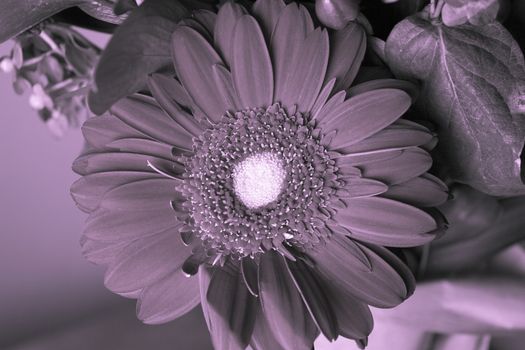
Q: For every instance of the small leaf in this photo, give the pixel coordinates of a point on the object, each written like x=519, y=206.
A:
x=140, y=46
x=19, y=15
x=473, y=89
x=477, y=12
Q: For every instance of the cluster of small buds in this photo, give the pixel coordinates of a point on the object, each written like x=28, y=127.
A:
x=55, y=64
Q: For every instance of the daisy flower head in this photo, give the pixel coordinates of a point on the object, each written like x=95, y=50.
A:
x=259, y=184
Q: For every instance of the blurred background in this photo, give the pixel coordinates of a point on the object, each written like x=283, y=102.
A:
x=50, y=297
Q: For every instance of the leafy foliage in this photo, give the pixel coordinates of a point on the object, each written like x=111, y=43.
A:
x=473, y=89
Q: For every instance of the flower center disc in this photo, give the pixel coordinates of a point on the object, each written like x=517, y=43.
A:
x=258, y=179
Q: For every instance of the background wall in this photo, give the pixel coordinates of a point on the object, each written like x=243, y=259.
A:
x=46, y=287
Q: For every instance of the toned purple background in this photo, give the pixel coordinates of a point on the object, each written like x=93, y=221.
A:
x=50, y=297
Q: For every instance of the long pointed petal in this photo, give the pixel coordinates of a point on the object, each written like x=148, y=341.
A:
x=379, y=285
x=251, y=68
x=267, y=13
x=194, y=58
x=168, y=299
x=347, y=50
x=386, y=222
x=285, y=312
x=146, y=261
x=231, y=310
x=225, y=23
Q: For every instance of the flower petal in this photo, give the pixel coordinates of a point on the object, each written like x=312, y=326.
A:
x=267, y=13
x=111, y=225
x=146, y=195
x=423, y=191
x=291, y=29
x=101, y=253
x=223, y=79
x=88, y=190
x=146, y=261
x=304, y=84
x=354, y=318
x=386, y=222
x=411, y=163
x=394, y=136
x=347, y=50
x=227, y=18
x=142, y=146
x=285, y=312
x=114, y=161
x=375, y=84
x=231, y=310
x=263, y=337
x=101, y=130
x=168, y=299
x=314, y=298
x=162, y=88
x=377, y=284
x=194, y=58
x=363, y=115
x=356, y=187
x=251, y=67
x=145, y=116
x=322, y=98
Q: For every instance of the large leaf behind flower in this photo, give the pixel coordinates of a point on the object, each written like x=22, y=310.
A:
x=140, y=46
x=19, y=15
x=474, y=90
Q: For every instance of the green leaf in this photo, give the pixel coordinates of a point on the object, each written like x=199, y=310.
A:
x=19, y=15
x=140, y=46
x=473, y=89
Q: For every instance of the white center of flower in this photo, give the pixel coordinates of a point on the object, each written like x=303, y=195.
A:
x=258, y=179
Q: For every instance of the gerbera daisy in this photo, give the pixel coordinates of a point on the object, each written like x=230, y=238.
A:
x=256, y=184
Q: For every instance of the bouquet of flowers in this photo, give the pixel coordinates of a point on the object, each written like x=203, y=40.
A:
x=299, y=169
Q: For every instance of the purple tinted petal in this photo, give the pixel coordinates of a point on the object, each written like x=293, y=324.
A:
x=101, y=130
x=251, y=67
x=361, y=187
x=144, y=115
x=347, y=50
x=110, y=225
x=88, y=190
x=263, y=337
x=146, y=195
x=327, y=109
x=249, y=275
x=285, y=312
x=380, y=285
x=354, y=318
x=362, y=158
x=395, y=136
x=290, y=30
x=386, y=222
x=309, y=70
x=168, y=299
x=207, y=19
x=227, y=18
x=162, y=88
x=194, y=58
x=146, y=261
x=314, y=298
x=104, y=162
x=423, y=191
x=267, y=13
x=231, y=310
x=322, y=98
x=411, y=163
x=223, y=79
x=364, y=115
x=142, y=146
x=375, y=84
x=101, y=253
